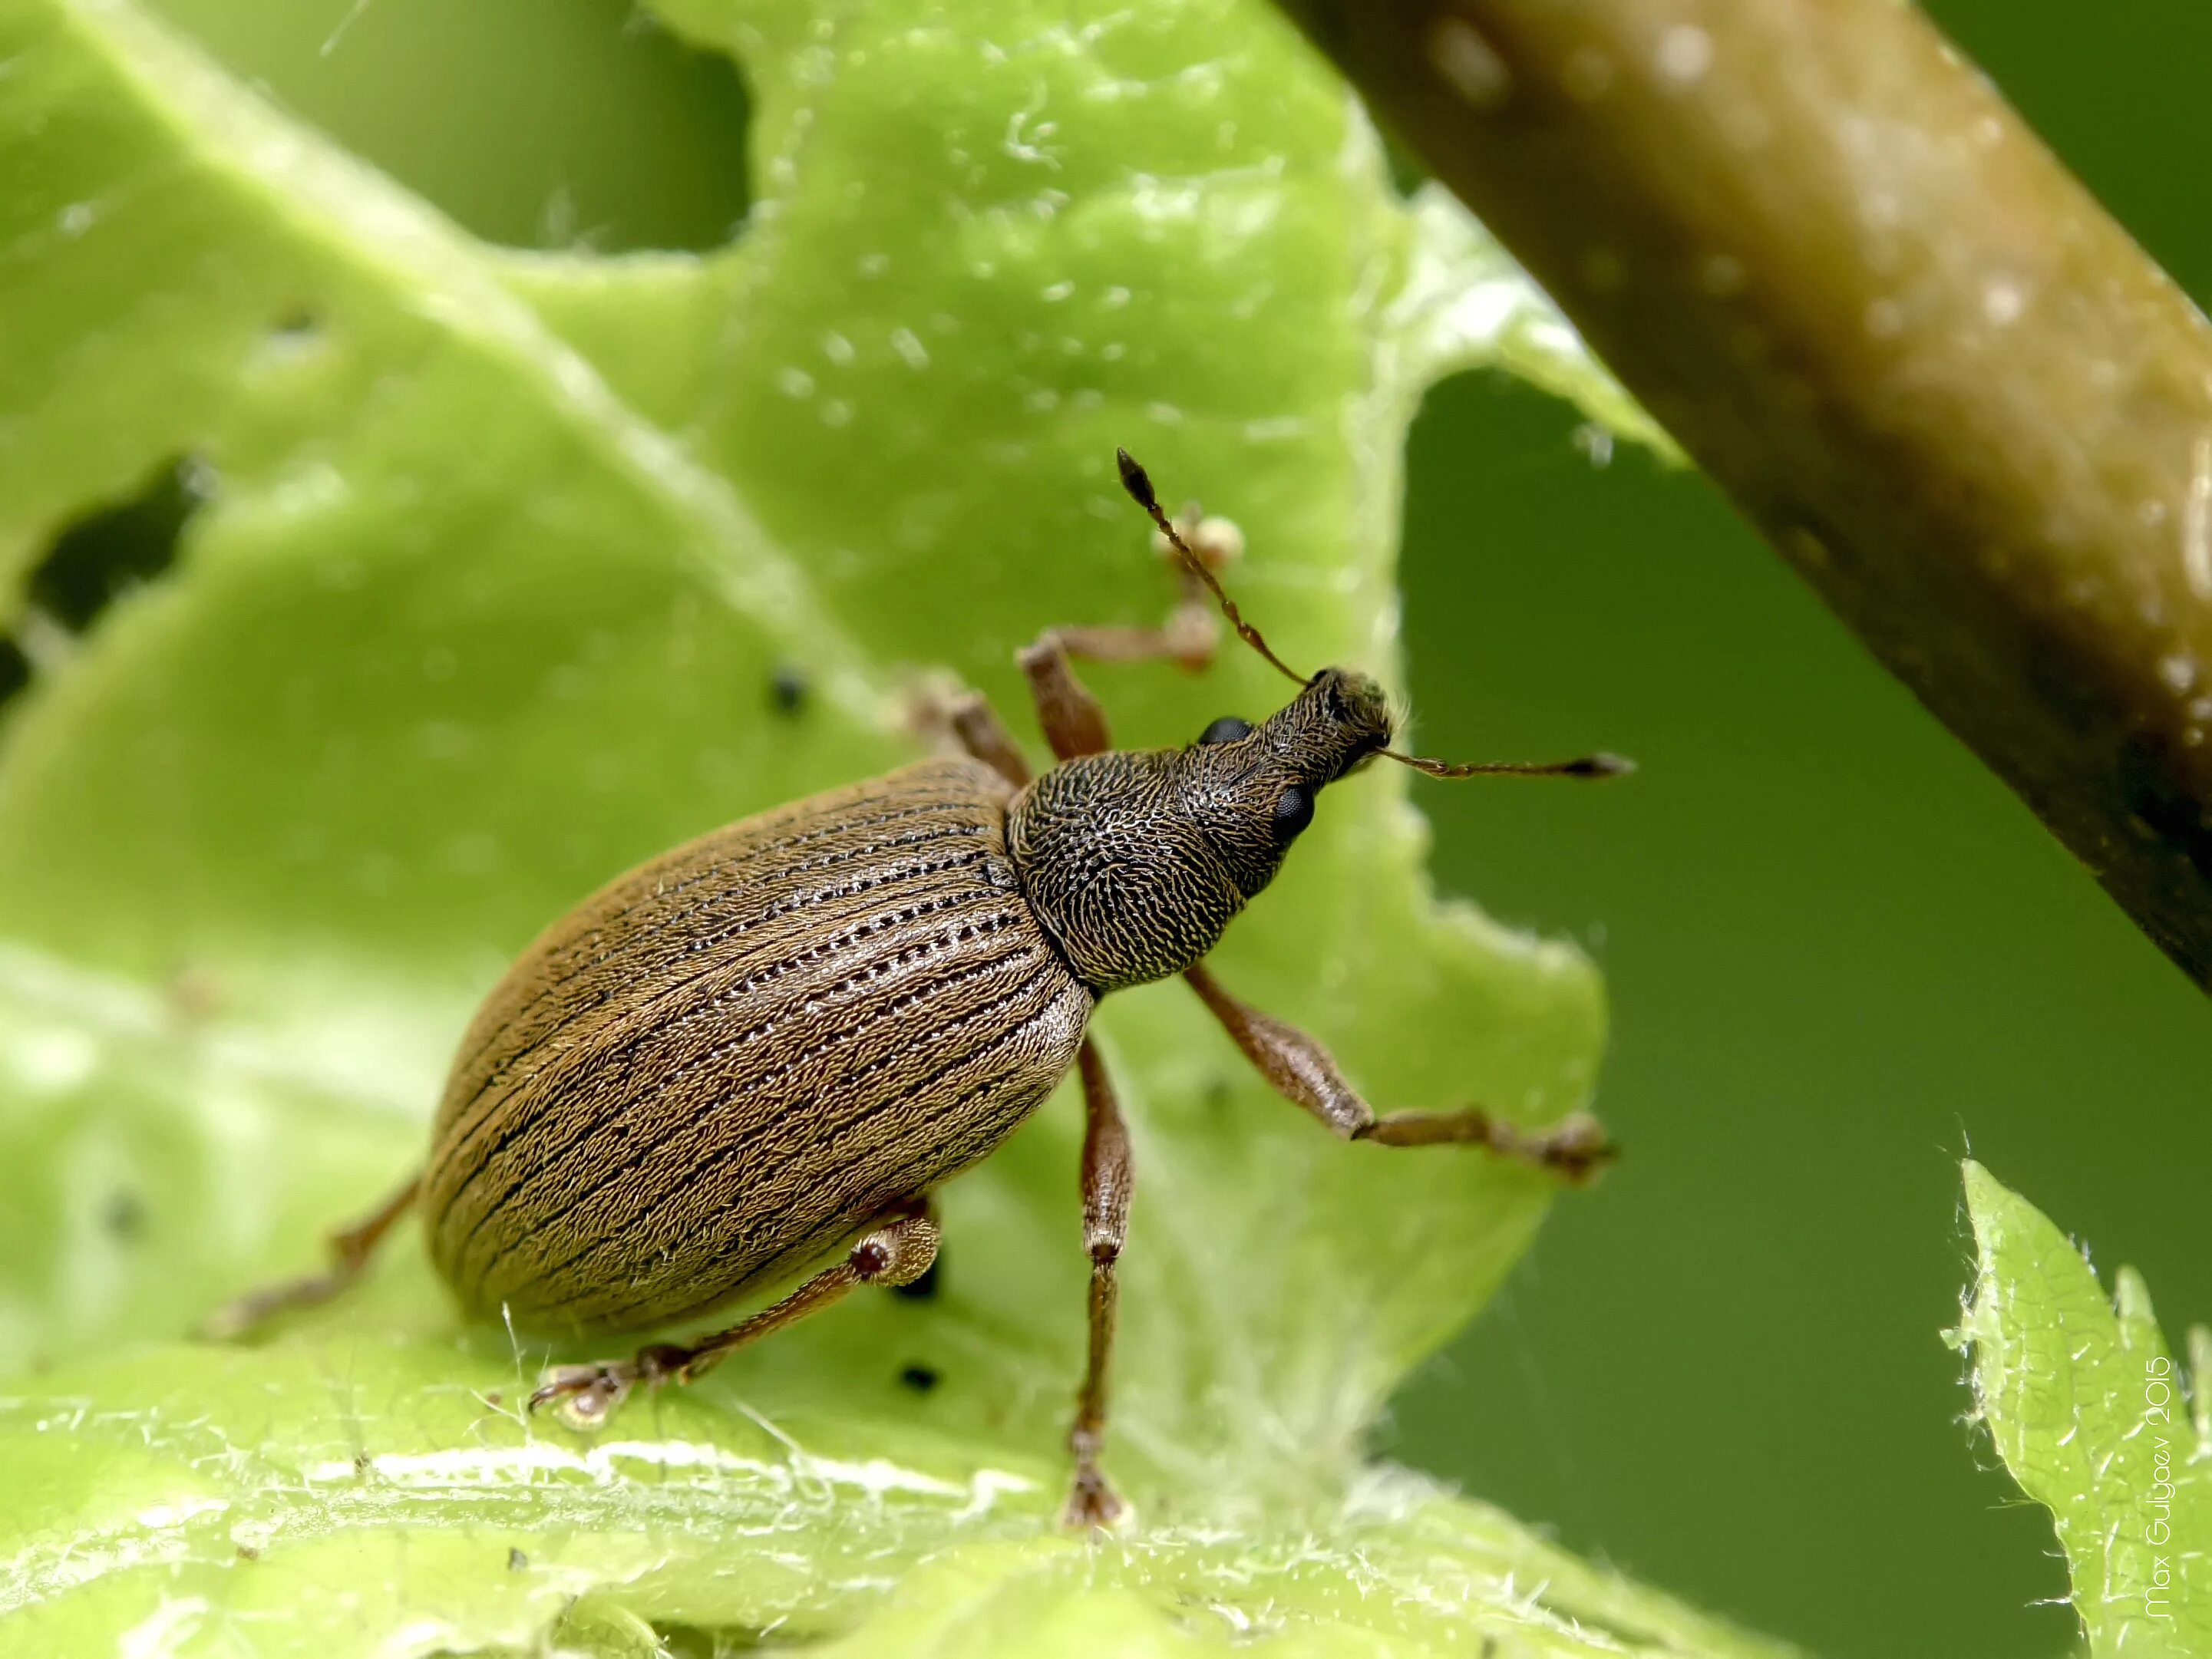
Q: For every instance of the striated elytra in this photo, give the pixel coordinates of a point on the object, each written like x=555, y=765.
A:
x=766, y=1048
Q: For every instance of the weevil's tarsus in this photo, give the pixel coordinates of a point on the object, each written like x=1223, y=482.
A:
x=1301, y=1070
x=1108, y=1182
x=351, y=1249
x=895, y=1252
x=1138, y=483
x=1582, y=766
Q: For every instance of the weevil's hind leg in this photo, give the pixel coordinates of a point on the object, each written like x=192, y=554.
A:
x=1107, y=1182
x=1072, y=720
x=350, y=1249
x=1301, y=1070
x=896, y=1251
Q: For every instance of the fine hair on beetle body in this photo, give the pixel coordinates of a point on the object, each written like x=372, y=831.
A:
x=755, y=1059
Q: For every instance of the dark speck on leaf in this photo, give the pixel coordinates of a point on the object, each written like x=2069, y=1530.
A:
x=362, y=1462
x=921, y=1378
x=517, y=1561
x=247, y=1552
x=786, y=691
x=125, y=1214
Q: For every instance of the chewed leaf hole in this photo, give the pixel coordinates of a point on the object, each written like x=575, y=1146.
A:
x=104, y=555
x=297, y=328
x=586, y=126
x=95, y=561
x=694, y=1642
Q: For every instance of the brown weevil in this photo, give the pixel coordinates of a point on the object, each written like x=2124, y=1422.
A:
x=773, y=1043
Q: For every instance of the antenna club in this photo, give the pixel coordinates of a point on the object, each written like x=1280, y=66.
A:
x=1137, y=482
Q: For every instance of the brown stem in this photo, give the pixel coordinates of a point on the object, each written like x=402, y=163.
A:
x=1926, y=364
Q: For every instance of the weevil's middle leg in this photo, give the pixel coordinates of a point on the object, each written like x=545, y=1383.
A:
x=1301, y=1070
x=1072, y=720
x=350, y=1249
x=895, y=1252
x=1109, y=1181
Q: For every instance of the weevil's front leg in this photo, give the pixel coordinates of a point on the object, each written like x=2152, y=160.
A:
x=1301, y=1070
x=976, y=724
x=350, y=1249
x=1072, y=720
x=1107, y=1182
x=896, y=1251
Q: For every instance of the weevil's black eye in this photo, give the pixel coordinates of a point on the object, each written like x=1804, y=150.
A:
x=1293, y=812
x=1227, y=729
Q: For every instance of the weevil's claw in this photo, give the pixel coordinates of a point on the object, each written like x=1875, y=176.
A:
x=584, y=1396
x=1575, y=1150
x=1092, y=1503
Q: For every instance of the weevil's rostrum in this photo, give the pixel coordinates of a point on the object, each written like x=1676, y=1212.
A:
x=727, y=1062
x=779, y=1040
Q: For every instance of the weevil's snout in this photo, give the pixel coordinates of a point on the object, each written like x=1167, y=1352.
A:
x=1340, y=721
x=1348, y=722
x=1251, y=789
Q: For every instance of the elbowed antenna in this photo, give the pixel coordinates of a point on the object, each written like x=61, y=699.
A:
x=1138, y=483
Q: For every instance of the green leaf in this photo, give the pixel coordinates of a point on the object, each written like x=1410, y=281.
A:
x=494, y=561
x=384, y=1496
x=2093, y=1416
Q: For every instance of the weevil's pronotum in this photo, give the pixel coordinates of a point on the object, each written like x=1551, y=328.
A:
x=776, y=1042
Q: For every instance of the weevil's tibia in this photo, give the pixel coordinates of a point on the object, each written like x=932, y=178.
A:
x=977, y=727
x=350, y=1249
x=1301, y=1070
x=895, y=1252
x=1109, y=1182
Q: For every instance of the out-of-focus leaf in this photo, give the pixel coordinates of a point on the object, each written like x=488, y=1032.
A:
x=381, y=1495
x=2093, y=1416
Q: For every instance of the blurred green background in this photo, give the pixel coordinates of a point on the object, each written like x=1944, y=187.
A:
x=1840, y=954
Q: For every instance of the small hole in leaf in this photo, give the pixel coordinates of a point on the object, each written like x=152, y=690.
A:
x=104, y=555
x=125, y=1214
x=296, y=329
x=725, y=1642
x=14, y=668
x=585, y=125
x=786, y=691
x=1409, y=172
x=925, y=1288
